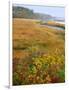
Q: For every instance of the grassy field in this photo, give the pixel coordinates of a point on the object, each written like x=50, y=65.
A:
x=38, y=53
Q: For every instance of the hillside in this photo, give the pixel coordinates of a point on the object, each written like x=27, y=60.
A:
x=21, y=12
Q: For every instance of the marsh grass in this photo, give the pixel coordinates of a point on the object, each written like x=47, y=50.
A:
x=38, y=53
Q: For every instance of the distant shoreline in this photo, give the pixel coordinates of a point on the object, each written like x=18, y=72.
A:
x=60, y=22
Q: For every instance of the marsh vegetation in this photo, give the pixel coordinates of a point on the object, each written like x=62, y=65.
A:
x=38, y=53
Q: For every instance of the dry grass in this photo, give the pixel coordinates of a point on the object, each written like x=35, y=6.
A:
x=37, y=50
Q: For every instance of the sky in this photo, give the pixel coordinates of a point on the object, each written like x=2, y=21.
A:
x=51, y=10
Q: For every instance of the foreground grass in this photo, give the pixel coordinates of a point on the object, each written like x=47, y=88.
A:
x=38, y=53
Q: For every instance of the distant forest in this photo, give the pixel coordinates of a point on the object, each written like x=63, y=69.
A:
x=22, y=12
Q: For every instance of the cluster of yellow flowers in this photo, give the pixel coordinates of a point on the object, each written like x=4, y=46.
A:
x=48, y=68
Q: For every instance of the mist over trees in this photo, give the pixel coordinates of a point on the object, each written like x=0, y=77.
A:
x=21, y=12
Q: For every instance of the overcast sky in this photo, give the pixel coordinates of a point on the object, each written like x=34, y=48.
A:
x=54, y=11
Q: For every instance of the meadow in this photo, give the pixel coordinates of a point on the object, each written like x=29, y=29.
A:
x=38, y=53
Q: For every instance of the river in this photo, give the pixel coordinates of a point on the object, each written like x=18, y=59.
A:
x=54, y=27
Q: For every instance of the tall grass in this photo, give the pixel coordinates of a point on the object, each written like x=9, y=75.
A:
x=38, y=53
